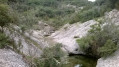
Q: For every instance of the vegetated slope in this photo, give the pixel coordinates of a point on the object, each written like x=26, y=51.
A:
x=29, y=43
x=111, y=61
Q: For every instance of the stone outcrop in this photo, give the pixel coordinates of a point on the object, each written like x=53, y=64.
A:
x=68, y=34
x=30, y=42
x=9, y=58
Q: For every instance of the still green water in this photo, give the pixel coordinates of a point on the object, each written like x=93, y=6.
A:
x=81, y=61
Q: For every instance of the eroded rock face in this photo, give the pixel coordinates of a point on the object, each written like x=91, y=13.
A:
x=30, y=42
x=9, y=58
x=69, y=33
x=23, y=43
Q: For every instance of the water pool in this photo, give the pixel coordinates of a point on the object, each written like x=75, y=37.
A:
x=81, y=61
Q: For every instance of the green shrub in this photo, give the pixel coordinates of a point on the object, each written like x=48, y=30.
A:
x=26, y=21
x=52, y=13
x=108, y=48
x=52, y=57
x=5, y=18
x=84, y=43
x=4, y=41
x=108, y=3
x=45, y=12
x=20, y=7
x=86, y=15
x=45, y=3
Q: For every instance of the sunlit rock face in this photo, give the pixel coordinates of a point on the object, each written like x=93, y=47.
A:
x=9, y=58
x=68, y=34
x=113, y=60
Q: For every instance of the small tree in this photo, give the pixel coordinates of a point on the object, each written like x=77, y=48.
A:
x=5, y=18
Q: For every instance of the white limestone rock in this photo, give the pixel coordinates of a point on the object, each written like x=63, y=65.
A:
x=66, y=35
x=9, y=58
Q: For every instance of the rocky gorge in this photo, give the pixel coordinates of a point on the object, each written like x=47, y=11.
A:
x=34, y=41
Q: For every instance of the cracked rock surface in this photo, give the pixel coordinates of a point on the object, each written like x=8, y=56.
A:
x=9, y=58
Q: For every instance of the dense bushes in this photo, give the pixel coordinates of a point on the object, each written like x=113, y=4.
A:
x=52, y=57
x=86, y=15
x=26, y=21
x=100, y=41
x=89, y=13
x=40, y=9
x=108, y=3
x=52, y=13
x=46, y=12
x=4, y=41
x=46, y=3
x=108, y=48
x=95, y=10
x=84, y=43
x=5, y=18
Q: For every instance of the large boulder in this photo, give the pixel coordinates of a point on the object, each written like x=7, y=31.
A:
x=68, y=34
